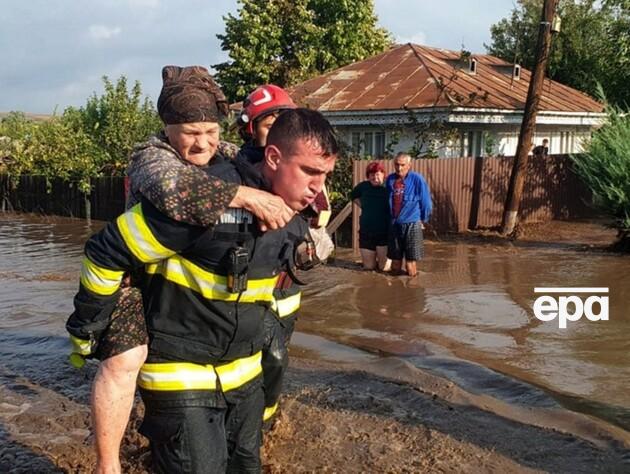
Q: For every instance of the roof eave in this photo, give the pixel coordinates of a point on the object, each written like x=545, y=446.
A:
x=461, y=115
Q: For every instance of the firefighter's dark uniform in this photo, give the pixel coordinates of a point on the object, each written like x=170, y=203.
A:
x=202, y=382
x=279, y=322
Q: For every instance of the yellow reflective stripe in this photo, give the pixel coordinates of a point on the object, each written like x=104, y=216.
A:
x=269, y=412
x=81, y=346
x=212, y=286
x=286, y=306
x=139, y=238
x=99, y=280
x=177, y=376
x=172, y=376
x=237, y=373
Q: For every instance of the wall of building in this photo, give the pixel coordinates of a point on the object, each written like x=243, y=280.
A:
x=473, y=140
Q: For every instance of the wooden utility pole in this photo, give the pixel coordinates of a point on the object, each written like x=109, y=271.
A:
x=517, y=179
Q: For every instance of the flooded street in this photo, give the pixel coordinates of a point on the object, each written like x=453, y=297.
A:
x=467, y=318
x=473, y=303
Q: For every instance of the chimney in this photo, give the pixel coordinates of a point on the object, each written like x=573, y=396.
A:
x=516, y=72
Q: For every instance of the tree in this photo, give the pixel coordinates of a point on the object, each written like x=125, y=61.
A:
x=116, y=121
x=83, y=143
x=605, y=168
x=592, y=47
x=54, y=148
x=288, y=41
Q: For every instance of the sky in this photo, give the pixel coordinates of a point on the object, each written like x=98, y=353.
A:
x=55, y=52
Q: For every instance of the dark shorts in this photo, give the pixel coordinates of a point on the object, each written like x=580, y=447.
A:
x=371, y=240
x=406, y=241
x=127, y=329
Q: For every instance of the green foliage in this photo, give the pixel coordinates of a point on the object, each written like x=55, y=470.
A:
x=339, y=184
x=288, y=41
x=592, y=47
x=230, y=132
x=430, y=135
x=490, y=143
x=52, y=148
x=116, y=121
x=16, y=132
x=90, y=141
x=605, y=168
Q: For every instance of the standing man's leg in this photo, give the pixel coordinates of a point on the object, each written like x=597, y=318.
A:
x=412, y=269
x=414, y=247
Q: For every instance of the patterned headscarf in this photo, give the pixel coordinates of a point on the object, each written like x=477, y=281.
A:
x=189, y=94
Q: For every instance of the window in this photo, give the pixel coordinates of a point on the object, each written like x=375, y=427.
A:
x=370, y=143
x=474, y=140
x=356, y=142
x=379, y=144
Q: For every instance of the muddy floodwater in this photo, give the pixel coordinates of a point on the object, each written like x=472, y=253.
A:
x=468, y=317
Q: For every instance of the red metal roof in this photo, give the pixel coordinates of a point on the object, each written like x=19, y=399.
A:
x=415, y=77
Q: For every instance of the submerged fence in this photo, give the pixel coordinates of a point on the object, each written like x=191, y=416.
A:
x=62, y=198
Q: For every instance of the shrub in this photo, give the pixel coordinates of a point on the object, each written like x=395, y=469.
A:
x=82, y=143
x=605, y=168
x=116, y=121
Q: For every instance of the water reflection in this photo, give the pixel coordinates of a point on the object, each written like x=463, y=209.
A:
x=476, y=302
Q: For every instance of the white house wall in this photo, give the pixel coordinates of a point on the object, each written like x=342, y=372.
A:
x=562, y=139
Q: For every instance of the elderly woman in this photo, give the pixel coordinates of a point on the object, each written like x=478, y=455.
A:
x=371, y=196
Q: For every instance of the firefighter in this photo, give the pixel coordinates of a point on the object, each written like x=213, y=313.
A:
x=205, y=295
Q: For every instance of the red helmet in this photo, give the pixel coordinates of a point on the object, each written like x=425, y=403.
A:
x=264, y=100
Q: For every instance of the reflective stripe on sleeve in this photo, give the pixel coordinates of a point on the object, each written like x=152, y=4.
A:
x=81, y=346
x=172, y=376
x=212, y=286
x=269, y=412
x=139, y=238
x=99, y=280
x=286, y=306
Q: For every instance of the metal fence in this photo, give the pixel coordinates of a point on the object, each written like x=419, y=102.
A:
x=62, y=198
x=470, y=193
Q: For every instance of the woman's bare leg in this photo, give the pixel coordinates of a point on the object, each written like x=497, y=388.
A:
x=113, y=393
x=381, y=257
x=368, y=257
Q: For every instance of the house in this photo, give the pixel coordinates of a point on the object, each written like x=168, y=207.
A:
x=436, y=102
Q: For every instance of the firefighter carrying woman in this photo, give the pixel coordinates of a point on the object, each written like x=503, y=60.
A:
x=193, y=221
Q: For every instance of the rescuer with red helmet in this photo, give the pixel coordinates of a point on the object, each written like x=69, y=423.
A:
x=260, y=110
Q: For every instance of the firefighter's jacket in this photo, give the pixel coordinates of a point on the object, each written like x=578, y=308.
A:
x=202, y=336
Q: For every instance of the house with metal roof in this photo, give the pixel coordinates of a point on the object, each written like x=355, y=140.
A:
x=437, y=102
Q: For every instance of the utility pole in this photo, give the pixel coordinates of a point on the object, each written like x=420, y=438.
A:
x=517, y=178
